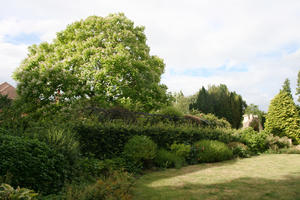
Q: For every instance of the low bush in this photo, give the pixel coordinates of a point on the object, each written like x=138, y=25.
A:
x=256, y=141
x=239, y=150
x=114, y=186
x=140, y=150
x=32, y=164
x=276, y=142
x=9, y=193
x=206, y=151
x=167, y=159
x=182, y=150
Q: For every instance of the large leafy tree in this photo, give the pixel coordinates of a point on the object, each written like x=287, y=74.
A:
x=219, y=101
x=283, y=118
x=101, y=58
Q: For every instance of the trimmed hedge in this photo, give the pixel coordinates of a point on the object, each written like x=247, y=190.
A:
x=107, y=140
x=32, y=164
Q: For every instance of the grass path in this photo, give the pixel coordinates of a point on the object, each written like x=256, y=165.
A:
x=275, y=176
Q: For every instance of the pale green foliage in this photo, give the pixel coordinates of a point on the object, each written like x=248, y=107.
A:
x=283, y=118
x=103, y=58
x=182, y=150
x=9, y=193
x=182, y=103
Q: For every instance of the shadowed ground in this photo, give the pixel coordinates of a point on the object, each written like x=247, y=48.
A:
x=263, y=177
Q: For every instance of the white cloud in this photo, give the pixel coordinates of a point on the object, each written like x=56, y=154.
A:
x=187, y=35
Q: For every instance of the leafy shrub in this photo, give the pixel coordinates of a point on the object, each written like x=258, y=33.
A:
x=171, y=111
x=62, y=140
x=191, y=119
x=211, y=151
x=256, y=141
x=107, y=140
x=239, y=149
x=32, y=164
x=140, y=149
x=9, y=193
x=182, y=150
x=115, y=186
x=167, y=159
x=275, y=142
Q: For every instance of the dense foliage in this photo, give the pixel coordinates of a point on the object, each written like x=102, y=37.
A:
x=32, y=164
x=256, y=141
x=211, y=151
x=9, y=193
x=140, y=149
x=219, y=101
x=107, y=140
x=283, y=118
x=167, y=159
x=103, y=58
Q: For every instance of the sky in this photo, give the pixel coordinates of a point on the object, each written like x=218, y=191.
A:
x=252, y=46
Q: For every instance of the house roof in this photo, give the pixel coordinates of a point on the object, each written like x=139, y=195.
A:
x=9, y=90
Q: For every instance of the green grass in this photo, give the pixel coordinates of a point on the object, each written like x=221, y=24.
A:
x=274, y=176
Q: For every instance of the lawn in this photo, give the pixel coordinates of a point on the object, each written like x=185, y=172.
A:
x=275, y=176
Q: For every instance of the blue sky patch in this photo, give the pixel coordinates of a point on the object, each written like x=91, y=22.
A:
x=23, y=38
x=208, y=72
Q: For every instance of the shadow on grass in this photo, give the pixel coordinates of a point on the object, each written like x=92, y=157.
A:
x=286, y=188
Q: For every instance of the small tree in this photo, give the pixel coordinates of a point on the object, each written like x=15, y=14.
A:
x=283, y=118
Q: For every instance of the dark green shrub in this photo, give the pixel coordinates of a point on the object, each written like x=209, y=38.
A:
x=212, y=151
x=239, y=150
x=9, y=193
x=61, y=139
x=140, y=149
x=167, y=159
x=32, y=164
x=256, y=141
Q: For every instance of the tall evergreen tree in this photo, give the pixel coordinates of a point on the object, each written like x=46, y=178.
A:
x=283, y=118
x=219, y=101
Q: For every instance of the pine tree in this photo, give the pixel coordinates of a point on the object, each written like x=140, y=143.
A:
x=283, y=118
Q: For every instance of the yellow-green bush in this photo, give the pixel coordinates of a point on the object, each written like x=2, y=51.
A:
x=283, y=118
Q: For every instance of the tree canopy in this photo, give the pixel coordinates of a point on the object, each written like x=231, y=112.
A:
x=283, y=118
x=219, y=101
x=101, y=58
